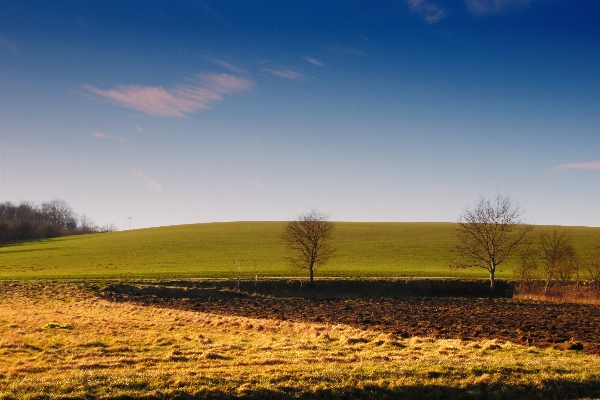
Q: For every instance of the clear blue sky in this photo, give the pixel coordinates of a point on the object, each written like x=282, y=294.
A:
x=381, y=110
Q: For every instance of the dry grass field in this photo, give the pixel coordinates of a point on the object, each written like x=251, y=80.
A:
x=60, y=341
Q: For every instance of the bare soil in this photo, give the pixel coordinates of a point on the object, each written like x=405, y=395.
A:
x=564, y=326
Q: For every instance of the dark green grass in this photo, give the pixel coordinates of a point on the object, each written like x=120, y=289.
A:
x=211, y=250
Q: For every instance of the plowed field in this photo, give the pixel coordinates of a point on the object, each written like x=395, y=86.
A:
x=566, y=326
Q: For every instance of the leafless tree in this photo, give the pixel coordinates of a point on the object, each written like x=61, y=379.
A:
x=592, y=267
x=307, y=239
x=108, y=228
x=558, y=256
x=87, y=225
x=25, y=211
x=569, y=267
x=527, y=271
x=488, y=233
x=59, y=212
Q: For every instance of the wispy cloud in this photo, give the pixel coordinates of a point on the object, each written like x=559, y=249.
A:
x=583, y=165
x=139, y=129
x=147, y=180
x=286, y=73
x=339, y=50
x=101, y=135
x=8, y=45
x=483, y=7
x=429, y=11
x=226, y=65
x=178, y=101
x=314, y=61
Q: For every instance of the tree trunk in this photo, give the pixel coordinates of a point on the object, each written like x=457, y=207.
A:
x=492, y=281
x=311, y=275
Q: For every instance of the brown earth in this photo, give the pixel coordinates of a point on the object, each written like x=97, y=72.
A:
x=564, y=326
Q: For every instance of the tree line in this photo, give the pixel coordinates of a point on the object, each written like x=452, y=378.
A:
x=55, y=218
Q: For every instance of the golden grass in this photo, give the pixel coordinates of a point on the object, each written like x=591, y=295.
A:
x=59, y=341
x=577, y=293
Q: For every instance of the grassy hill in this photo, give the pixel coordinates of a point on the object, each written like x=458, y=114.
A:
x=211, y=250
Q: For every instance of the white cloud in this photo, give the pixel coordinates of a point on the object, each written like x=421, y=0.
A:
x=483, y=7
x=178, y=101
x=147, y=180
x=314, y=61
x=286, y=73
x=583, y=165
x=139, y=129
x=430, y=12
x=101, y=135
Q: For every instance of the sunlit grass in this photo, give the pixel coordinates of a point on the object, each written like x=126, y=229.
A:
x=59, y=340
x=211, y=250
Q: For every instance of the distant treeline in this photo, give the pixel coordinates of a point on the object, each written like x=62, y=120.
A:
x=27, y=221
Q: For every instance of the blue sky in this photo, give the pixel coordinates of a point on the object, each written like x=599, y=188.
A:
x=198, y=111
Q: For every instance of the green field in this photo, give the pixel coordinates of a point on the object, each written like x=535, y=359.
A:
x=211, y=250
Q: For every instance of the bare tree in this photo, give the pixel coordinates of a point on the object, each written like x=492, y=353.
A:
x=87, y=225
x=25, y=211
x=558, y=256
x=307, y=239
x=527, y=271
x=592, y=267
x=569, y=267
x=59, y=212
x=108, y=228
x=488, y=233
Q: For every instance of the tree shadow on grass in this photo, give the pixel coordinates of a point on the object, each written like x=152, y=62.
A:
x=324, y=289
x=552, y=389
